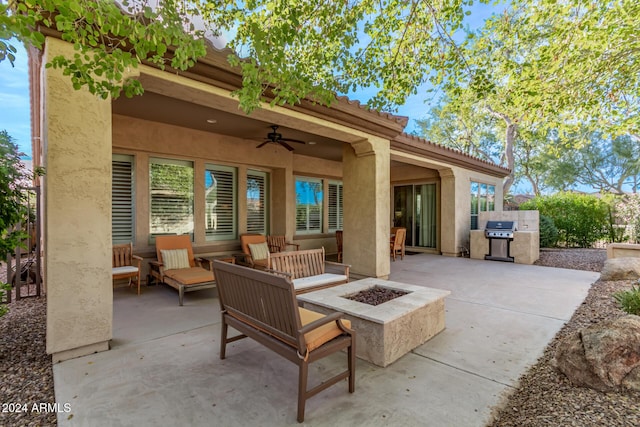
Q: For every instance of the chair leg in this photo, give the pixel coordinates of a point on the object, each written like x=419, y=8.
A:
x=302, y=389
x=351, y=354
x=223, y=339
x=180, y=294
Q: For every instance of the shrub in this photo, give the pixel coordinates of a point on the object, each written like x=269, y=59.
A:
x=581, y=219
x=548, y=232
x=629, y=301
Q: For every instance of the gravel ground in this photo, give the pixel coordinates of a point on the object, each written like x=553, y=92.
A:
x=544, y=396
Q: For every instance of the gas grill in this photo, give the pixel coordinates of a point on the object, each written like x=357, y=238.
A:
x=500, y=235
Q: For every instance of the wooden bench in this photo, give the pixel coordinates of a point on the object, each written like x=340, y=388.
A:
x=263, y=306
x=308, y=269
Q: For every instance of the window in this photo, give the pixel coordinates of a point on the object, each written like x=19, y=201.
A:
x=482, y=200
x=308, y=205
x=334, y=205
x=220, y=200
x=122, y=199
x=257, y=215
x=171, y=188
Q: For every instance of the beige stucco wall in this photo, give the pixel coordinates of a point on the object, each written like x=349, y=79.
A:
x=456, y=206
x=76, y=136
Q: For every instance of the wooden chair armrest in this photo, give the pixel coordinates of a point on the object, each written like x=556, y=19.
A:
x=155, y=264
x=201, y=261
x=332, y=265
x=135, y=259
x=323, y=321
x=279, y=273
x=243, y=259
x=297, y=246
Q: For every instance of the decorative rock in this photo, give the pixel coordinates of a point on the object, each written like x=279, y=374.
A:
x=604, y=356
x=621, y=269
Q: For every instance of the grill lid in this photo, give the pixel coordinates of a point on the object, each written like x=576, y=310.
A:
x=502, y=225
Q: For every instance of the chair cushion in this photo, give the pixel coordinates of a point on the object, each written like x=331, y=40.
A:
x=324, y=333
x=319, y=280
x=190, y=276
x=175, y=258
x=259, y=250
x=124, y=270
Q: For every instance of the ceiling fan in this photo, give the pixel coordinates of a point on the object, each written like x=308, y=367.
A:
x=276, y=138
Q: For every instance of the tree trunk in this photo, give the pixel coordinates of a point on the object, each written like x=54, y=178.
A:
x=507, y=156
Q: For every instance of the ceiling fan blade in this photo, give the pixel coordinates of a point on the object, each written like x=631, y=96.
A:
x=263, y=144
x=292, y=140
x=285, y=145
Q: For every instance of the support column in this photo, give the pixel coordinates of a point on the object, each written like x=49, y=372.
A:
x=283, y=205
x=366, y=184
x=448, y=238
x=77, y=213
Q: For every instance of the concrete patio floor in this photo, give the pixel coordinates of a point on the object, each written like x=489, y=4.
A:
x=163, y=368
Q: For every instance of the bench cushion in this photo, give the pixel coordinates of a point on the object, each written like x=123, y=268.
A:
x=190, y=276
x=319, y=280
x=324, y=333
x=124, y=270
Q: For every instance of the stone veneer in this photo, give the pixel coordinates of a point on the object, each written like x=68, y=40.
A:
x=387, y=331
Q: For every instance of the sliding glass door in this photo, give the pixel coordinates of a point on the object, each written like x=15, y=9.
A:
x=415, y=209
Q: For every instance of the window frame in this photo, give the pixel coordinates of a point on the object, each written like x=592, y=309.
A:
x=484, y=198
x=307, y=230
x=166, y=161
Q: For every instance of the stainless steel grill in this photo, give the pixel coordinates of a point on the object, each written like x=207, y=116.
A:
x=500, y=235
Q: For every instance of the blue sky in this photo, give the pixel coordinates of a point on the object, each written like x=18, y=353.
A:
x=14, y=92
x=14, y=100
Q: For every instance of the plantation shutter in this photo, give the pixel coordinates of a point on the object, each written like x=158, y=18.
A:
x=257, y=202
x=335, y=206
x=171, y=185
x=122, y=202
x=220, y=199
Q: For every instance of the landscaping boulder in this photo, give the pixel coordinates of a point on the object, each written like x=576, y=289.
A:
x=626, y=268
x=604, y=356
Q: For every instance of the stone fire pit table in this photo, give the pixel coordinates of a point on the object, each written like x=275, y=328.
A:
x=387, y=331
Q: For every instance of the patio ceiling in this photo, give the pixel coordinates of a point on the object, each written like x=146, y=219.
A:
x=154, y=107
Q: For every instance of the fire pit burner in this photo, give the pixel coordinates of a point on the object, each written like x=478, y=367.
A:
x=376, y=295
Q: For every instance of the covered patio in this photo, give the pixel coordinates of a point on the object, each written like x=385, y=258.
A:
x=184, y=159
x=164, y=367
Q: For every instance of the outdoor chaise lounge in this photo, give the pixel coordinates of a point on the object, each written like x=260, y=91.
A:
x=178, y=268
x=263, y=306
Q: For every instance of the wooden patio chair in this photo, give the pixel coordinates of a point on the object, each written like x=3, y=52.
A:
x=339, y=244
x=397, y=242
x=279, y=244
x=126, y=265
x=255, y=251
x=263, y=306
x=178, y=267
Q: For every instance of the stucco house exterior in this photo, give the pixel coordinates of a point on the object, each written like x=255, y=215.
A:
x=183, y=158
